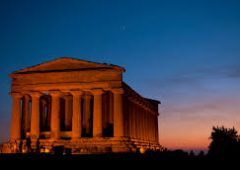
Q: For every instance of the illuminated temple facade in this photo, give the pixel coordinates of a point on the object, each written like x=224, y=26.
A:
x=80, y=106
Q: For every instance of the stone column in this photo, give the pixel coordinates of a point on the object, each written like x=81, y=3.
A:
x=134, y=120
x=118, y=113
x=155, y=129
x=55, y=114
x=150, y=119
x=144, y=124
x=68, y=113
x=137, y=122
x=152, y=127
x=141, y=121
x=97, y=113
x=16, y=116
x=147, y=126
x=157, y=134
x=25, y=115
x=35, y=116
x=76, y=116
x=153, y=122
x=130, y=119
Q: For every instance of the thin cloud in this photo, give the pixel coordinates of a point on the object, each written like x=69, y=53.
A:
x=196, y=76
x=229, y=71
x=206, y=82
x=235, y=72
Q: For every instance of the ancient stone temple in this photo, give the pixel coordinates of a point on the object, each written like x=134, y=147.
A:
x=81, y=107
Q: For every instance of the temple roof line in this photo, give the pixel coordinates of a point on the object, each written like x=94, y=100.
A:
x=67, y=64
x=136, y=93
x=67, y=70
x=131, y=93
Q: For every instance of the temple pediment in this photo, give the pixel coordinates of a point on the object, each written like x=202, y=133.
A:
x=68, y=64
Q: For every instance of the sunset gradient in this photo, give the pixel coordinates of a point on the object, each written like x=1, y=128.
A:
x=184, y=53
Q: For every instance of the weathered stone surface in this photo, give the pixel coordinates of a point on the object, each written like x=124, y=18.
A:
x=104, y=113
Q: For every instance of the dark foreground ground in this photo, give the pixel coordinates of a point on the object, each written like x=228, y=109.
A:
x=116, y=161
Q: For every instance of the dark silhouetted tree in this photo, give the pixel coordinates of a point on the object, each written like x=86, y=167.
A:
x=225, y=143
x=201, y=154
x=191, y=154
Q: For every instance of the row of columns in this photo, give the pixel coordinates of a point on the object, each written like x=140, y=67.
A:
x=142, y=123
x=76, y=114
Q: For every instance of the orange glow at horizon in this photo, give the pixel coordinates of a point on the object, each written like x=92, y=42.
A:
x=188, y=143
x=190, y=127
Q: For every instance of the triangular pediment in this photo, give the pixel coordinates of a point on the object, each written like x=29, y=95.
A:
x=67, y=64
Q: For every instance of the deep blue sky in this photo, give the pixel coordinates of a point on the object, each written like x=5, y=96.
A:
x=184, y=53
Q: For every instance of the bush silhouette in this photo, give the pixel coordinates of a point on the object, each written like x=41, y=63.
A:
x=225, y=143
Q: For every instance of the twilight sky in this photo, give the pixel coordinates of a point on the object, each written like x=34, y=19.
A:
x=184, y=53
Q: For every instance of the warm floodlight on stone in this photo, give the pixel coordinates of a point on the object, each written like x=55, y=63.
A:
x=78, y=106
